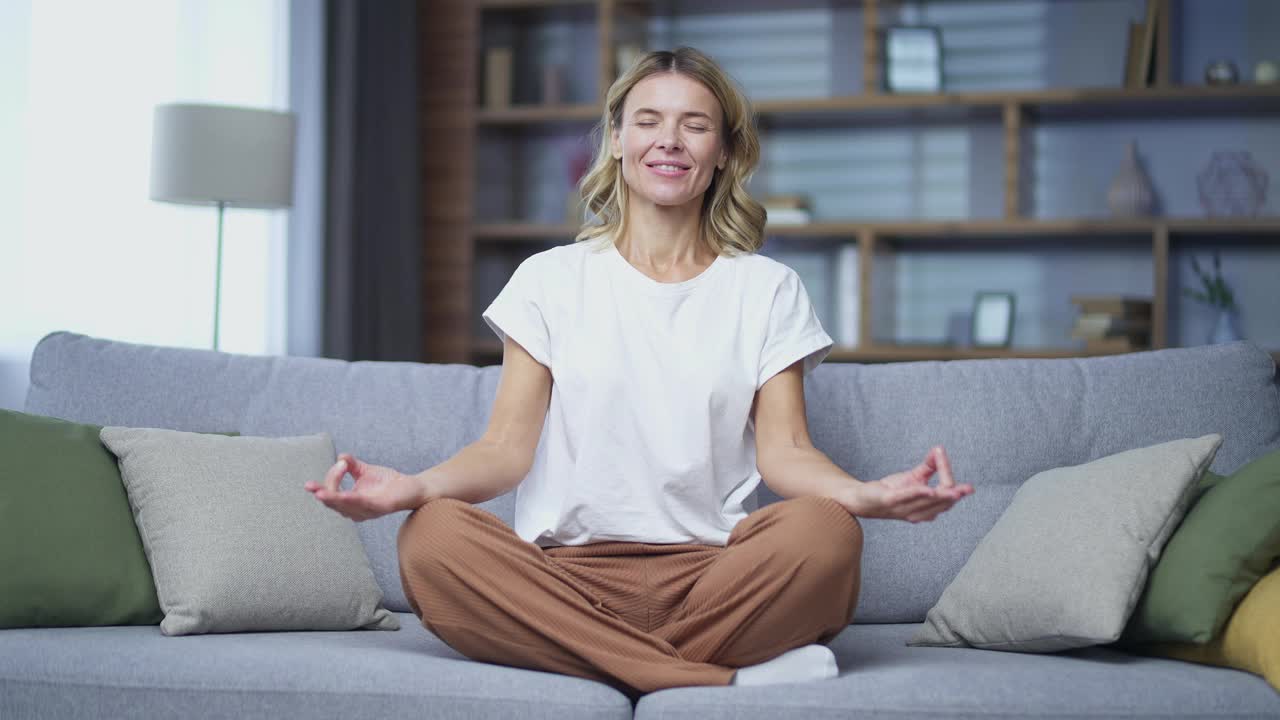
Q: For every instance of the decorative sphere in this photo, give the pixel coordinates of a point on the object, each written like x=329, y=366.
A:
x=1221, y=72
x=1266, y=72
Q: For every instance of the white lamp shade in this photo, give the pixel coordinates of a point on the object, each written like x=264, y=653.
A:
x=207, y=154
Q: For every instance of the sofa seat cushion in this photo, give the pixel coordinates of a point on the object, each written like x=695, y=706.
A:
x=880, y=677
x=133, y=672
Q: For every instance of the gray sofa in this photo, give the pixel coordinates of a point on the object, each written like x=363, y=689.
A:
x=1002, y=421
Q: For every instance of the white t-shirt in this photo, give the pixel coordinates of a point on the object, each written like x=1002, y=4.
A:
x=648, y=436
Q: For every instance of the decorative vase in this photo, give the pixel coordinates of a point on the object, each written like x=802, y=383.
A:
x=1130, y=194
x=1224, y=329
x=1232, y=185
x=1221, y=72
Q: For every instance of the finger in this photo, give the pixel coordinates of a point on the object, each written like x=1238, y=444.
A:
x=355, y=466
x=918, y=505
x=909, y=494
x=345, y=502
x=929, y=512
x=922, y=472
x=333, y=477
x=945, y=478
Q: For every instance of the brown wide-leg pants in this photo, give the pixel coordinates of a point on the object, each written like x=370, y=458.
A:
x=637, y=616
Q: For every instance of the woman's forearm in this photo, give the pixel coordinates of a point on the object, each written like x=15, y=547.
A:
x=478, y=472
x=802, y=471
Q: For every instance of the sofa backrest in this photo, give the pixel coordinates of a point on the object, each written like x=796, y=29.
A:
x=1001, y=422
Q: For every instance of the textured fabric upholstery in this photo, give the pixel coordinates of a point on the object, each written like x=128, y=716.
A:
x=135, y=672
x=881, y=678
x=1002, y=421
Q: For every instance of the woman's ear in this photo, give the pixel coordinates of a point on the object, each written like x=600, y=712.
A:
x=615, y=144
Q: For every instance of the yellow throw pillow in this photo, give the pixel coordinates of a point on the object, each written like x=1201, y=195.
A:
x=1251, y=641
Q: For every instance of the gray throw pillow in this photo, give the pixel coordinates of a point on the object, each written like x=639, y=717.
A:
x=1065, y=564
x=235, y=542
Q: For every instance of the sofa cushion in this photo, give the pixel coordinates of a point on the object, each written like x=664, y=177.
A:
x=70, y=554
x=136, y=672
x=1251, y=640
x=235, y=542
x=1066, y=563
x=69, y=551
x=1229, y=540
x=1002, y=421
x=880, y=677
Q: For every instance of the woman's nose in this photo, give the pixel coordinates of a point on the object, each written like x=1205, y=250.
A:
x=669, y=139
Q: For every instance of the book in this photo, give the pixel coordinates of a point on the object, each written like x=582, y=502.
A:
x=796, y=202
x=847, y=316
x=1115, y=344
x=787, y=216
x=1122, y=305
x=1146, y=52
x=497, y=77
x=1098, y=325
x=1131, y=57
x=1164, y=45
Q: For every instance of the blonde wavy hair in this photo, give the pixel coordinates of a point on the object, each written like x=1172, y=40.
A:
x=732, y=222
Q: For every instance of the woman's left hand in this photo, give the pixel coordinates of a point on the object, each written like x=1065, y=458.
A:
x=908, y=495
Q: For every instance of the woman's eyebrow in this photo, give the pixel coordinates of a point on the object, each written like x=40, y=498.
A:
x=687, y=113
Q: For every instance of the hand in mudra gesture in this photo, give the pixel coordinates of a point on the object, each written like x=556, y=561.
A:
x=907, y=495
x=377, y=491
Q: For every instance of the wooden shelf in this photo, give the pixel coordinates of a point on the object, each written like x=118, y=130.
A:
x=524, y=232
x=884, y=353
x=456, y=239
x=912, y=353
x=537, y=114
x=1050, y=103
x=940, y=230
x=1260, y=98
x=522, y=4
x=1015, y=228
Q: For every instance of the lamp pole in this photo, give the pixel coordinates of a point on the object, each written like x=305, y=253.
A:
x=217, y=282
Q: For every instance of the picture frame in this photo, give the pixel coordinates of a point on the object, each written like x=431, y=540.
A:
x=912, y=59
x=992, y=321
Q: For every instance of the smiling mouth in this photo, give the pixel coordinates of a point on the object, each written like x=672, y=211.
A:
x=668, y=169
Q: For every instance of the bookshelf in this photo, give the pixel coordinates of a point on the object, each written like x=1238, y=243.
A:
x=1016, y=113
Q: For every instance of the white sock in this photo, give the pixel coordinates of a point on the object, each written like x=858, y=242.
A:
x=811, y=662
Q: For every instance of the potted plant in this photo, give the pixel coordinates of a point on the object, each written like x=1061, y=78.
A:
x=1217, y=295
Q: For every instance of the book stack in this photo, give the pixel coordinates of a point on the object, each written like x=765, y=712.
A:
x=787, y=210
x=1113, y=323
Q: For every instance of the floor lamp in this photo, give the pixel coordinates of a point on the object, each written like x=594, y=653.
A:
x=223, y=156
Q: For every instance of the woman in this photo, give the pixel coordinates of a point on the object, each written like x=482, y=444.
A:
x=652, y=376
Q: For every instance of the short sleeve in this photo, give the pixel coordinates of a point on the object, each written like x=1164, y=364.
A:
x=793, y=331
x=520, y=311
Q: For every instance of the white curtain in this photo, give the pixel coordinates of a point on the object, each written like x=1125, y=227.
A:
x=82, y=248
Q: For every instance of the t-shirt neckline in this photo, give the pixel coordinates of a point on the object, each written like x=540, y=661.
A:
x=656, y=287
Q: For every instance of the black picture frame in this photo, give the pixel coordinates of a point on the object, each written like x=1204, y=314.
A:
x=992, y=319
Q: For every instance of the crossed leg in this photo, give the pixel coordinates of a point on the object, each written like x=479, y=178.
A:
x=788, y=577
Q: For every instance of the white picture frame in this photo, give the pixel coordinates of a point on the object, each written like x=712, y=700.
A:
x=912, y=59
x=993, y=314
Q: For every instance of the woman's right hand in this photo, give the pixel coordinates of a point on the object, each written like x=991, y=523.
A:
x=377, y=491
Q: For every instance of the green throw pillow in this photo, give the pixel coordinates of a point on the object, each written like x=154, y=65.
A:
x=70, y=554
x=1226, y=543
